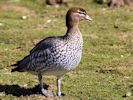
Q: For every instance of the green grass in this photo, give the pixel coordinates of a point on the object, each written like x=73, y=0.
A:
x=106, y=69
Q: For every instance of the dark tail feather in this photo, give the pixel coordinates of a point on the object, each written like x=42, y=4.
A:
x=14, y=64
x=15, y=69
x=21, y=65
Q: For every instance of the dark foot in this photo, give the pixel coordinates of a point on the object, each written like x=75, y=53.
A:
x=47, y=93
x=60, y=95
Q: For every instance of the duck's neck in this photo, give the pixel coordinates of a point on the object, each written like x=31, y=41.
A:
x=74, y=30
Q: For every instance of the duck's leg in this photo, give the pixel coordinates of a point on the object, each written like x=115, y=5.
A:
x=44, y=91
x=58, y=87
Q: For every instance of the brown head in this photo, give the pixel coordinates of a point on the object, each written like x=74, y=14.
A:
x=74, y=15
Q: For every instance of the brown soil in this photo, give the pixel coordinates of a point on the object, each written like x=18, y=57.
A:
x=9, y=6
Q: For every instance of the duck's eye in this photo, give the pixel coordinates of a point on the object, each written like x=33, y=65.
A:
x=81, y=13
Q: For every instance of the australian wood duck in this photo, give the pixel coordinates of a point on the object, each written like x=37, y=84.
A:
x=56, y=55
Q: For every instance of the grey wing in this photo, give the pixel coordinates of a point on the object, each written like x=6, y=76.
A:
x=40, y=60
x=42, y=45
x=40, y=56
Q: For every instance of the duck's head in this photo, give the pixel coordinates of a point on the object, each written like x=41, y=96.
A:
x=74, y=15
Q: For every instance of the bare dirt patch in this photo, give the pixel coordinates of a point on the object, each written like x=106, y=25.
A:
x=9, y=7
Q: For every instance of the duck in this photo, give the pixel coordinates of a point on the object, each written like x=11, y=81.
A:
x=56, y=55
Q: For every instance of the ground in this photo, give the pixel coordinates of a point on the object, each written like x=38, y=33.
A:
x=106, y=68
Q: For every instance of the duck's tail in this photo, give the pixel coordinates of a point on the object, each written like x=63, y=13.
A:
x=21, y=65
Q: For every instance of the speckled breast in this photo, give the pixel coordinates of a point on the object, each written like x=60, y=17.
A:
x=68, y=55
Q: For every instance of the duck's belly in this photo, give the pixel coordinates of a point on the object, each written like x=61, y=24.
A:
x=58, y=64
x=64, y=63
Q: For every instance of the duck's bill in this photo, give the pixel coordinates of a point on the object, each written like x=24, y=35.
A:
x=88, y=17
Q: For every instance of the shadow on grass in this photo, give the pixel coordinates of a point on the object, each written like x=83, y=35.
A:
x=16, y=90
